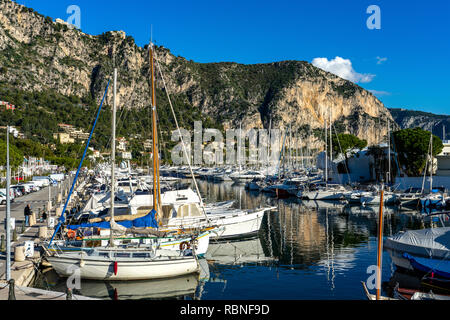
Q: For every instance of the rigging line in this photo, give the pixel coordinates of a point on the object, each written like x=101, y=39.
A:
x=62, y=218
x=340, y=148
x=397, y=160
x=181, y=138
x=119, y=123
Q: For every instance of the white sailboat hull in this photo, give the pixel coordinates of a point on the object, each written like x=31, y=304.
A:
x=321, y=195
x=201, y=242
x=235, y=223
x=103, y=269
x=375, y=199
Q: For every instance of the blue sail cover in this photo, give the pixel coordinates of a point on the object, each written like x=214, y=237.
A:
x=148, y=221
x=439, y=267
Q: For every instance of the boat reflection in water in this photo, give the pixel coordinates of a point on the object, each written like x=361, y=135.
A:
x=171, y=288
x=176, y=288
x=249, y=251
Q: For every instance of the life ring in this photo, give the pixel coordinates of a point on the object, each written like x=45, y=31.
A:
x=185, y=246
x=71, y=234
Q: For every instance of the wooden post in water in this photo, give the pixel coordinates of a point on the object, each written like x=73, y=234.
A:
x=380, y=244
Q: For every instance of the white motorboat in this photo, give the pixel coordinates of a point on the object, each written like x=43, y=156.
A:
x=236, y=223
x=289, y=187
x=410, y=197
x=433, y=200
x=425, y=243
x=373, y=198
x=245, y=176
x=329, y=192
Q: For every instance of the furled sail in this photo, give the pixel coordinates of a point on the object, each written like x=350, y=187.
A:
x=147, y=221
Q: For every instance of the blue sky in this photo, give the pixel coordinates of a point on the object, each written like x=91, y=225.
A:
x=413, y=45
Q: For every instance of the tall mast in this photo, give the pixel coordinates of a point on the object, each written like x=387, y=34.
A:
x=389, y=153
x=268, y=145
x=156, y=191
x=290, y=146
x=431, y=161
x=240, y=146
x=8, y=210
x=331, y=142
x=113, y=157
x=380, y=244
x=326, y=154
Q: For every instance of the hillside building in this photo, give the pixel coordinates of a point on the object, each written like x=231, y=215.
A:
x=443, y=160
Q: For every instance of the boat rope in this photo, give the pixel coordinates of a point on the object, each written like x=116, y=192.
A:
x=181, y=137
x=345, y=156
x=62, y=218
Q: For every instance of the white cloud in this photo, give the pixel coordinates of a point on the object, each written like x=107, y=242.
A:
x=342, y=68
x=380, y=93
x=381, y=60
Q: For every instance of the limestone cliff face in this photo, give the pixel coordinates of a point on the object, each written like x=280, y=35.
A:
x=37, y=53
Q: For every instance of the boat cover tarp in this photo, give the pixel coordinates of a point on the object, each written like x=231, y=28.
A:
x=433, y=242
x=439, y=267
x=147, y=221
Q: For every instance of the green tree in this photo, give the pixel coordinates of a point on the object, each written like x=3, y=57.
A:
x=345, y=142
x=15, y=155
x=412, y=146
x=342, y=143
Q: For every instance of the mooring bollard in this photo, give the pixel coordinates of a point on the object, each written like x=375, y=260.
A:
x=33, y=219
x=19, y=253
x=43, y=232
x=11, y=294
x=3, y=244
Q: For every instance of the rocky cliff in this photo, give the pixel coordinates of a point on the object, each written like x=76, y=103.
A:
x=37, y=54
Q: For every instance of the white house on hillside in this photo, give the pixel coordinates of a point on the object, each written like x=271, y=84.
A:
x=443, y=160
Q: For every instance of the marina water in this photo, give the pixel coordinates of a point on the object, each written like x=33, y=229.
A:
x=312, y=250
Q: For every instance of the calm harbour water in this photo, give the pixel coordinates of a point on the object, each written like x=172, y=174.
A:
x=306, y=250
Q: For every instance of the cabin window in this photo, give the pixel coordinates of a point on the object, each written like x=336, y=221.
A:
x=122, y=255
x=140, y=255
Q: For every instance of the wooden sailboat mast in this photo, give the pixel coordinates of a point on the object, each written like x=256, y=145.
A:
x=380, y=245
x=156, y=189
x=113, y=158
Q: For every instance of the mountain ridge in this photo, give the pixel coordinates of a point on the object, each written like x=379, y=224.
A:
x=407, y=118
x=37, y=54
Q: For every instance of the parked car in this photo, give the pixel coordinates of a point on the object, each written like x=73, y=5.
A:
x=21, y=189
x=43, y=181
x=33, y=186
x=2, y=198
x=26, y=189
x=11, y=194
x=17, y=192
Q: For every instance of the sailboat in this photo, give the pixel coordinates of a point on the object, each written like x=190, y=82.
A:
x=325, y=190
x=127, y=261
x=435, y=198
x=234, y=223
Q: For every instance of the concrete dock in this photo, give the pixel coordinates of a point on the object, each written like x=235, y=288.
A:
x=24, y=272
